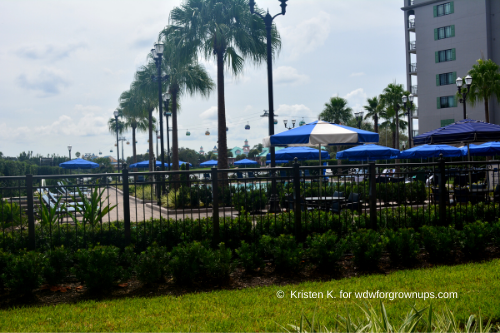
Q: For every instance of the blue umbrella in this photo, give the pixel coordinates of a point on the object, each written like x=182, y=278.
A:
x=428, y=151
x=302, y=153
x=181, y=163
x=277, y=161
x=209, y=163
x=145, y=164
x=245, y=162
x=368, y=153
x=78, y=163
x=466, y=130
x=486, y=149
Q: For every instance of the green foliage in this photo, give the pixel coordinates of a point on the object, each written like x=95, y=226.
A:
x=49, y=215
x=474, y=238
x=286, y=252
x=250, y=257
x=495, y=233
x=59, y=263
x=250, y=199
x=23, y=272
x=92, y=209
x=176, y=199
x=325, y=250
x=438, y=241
x=4, y=257
x=11, y=214
x=367, y=246
x=99, y=267
x=152, y=264
x=402, y=245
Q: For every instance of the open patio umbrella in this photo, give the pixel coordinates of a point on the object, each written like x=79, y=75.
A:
x=209, y=163
x=466, y=131
x=486, y=149
x=302, y=153
x=145, y=164
x=369, y=152
x=79, y=163
x=181, y=163
x=245, y=162
x=429, y=151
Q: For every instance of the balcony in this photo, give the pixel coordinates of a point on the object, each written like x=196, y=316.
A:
x=413, y=47
x=413, y=69
x=414, y=113
x=411, y=24
x=414, y=90
x=415, y=133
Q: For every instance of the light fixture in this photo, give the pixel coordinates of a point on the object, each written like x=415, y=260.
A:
x=459, y=82
x=285, y=122
x=283, y=6
x=159, y=48
x=166, y=96
x=361, y=114
x=153, y=53
x=410, y=98
x=468, y=80
x=293, y=122
x=115, y=113
x=405, y=99
x=69, y=147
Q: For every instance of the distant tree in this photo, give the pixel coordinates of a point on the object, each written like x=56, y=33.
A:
x=1, y=154
x=77, y=154
x=188, y=155
x=336, y=111
x=240, y=157
x=374, y=109
x=229, y=153
x=259, y=147
x=390, y=100
x=253, y=153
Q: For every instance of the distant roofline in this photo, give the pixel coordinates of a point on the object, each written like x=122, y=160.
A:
x=430, y=2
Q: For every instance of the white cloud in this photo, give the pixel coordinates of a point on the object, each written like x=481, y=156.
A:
x=297, y=112
x=49, y=81
x=209, y=114
x=357, y=74
x=357, y=99
x=289, y=75
x=49, y=51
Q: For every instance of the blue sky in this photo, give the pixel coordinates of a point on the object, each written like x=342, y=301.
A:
x=65, y=63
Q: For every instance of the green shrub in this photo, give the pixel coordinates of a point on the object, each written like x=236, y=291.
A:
x=219, y=264
x=99, y=267
x=11, y=214
x=438, y=241
x=495, y=233
x=151, y=264
x=249, y=199
x=325, y=250
x=128, y=260
x=250, y=257
x=403, y=246
x=23, y=272
x=59, y=263
x=474, y=238
x=367, y=246
x=286, y=252
x=4, y=257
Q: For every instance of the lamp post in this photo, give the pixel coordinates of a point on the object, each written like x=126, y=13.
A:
x=268, y=20
x=157, y=53
x=359, y=117
x=285, y=122
x=166, y=100
x=460, y=82
x=115, y=113
x=69, y=149
x=408, y=105
x=156, y=131
x=122, y=139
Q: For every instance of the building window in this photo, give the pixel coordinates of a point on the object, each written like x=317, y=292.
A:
x=444, y=32
x=444, y=9
x=445, y=55
x=446, y=102
x=446, y=78
x=446, y=122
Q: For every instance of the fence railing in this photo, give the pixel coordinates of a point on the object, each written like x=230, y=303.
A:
x=41, y=211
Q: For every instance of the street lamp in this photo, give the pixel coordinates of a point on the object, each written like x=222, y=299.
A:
x=166, y=100
x=156, y=131
x=460, y=83
x=408, y=105
x=359, y=117
x=69, y=148
x=268, y=20
x=115, y=113
x=285, y=122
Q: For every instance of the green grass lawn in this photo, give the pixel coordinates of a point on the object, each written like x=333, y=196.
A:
x=258, y=309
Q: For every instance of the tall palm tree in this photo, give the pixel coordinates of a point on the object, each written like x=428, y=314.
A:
x=336, y=111
x=227, y=31
x=393, y=123
x=185, y=76
x=374, y=109
x=485, y=84
x=390, y=100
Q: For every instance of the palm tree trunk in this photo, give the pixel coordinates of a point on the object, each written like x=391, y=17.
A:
x=151, y=154
x=397, y=128
x=175, y=138
x=221, y=114
x=134, y=148
x=376, y=123
x=486, y=110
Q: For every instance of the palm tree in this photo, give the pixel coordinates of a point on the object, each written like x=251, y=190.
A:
x=390, y=100
x=485, y=84
x=336, y=111
x=393, y=123
x=185, y=76
x=227, y=31
x=374, y=109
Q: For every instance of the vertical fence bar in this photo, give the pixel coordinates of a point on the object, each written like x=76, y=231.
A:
x=31, y=217
x=126, y=203
x=373, y=196
x=215, y=207
x=443, y=193
x=296, y=195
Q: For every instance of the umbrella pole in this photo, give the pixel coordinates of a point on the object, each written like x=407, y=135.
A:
x=468, y=160
x=320, y=171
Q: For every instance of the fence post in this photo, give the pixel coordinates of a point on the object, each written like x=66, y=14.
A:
x=188, y=178
x=443, y=193
x=373, y=196
x=31, y=216
x=215, y=207
x=296, y=197
x=157, y=186
x=126, y=204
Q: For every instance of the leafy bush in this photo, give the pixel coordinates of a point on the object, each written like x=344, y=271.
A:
x=11, y=214
x=495, y=233
x=99, y=267
x=367, y=246
x=23, y=272
x=4, y=257
x=438, y=241
x=152, y=264
x=474, y=238
x=325, y=250
x=59, y=263
x=403, y=245
x=219, y=264
x=250, y=257
x=177, y=198
x=286, y=252
x=249, y=200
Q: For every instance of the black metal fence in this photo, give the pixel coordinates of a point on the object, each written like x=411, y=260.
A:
x=223, y=205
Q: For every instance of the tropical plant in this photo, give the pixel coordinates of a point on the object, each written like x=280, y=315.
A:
x=390, y=100
x=49, y=215
x=485, y=84
x=91, y=208
x=77, y=154
x=374, y=111
x=336, y=111
x=227, y=31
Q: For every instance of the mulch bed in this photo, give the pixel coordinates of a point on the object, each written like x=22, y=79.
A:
x=73, y=291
